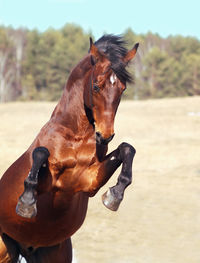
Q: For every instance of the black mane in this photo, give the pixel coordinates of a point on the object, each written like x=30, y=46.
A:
x=115, y=48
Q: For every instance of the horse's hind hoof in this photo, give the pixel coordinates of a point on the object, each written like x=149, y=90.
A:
x=25, y=210
x=110, y=200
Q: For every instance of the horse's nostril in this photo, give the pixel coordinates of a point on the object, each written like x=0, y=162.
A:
x=101, y=140
x=98, y=134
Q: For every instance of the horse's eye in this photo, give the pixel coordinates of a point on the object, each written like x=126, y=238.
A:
x=96, y=88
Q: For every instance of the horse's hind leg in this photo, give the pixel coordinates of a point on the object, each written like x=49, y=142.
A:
x=61, y=253
x=26, y=206
x=9, y=252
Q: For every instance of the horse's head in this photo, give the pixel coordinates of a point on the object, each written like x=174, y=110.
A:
x=107, y=81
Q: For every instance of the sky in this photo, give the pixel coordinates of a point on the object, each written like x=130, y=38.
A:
x=165, y=17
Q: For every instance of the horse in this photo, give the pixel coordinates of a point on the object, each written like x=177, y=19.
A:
x=44, y=194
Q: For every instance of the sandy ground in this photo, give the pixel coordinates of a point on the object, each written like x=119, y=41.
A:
x=159, y=218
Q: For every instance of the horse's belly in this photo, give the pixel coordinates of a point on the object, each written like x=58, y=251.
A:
x=51, y=226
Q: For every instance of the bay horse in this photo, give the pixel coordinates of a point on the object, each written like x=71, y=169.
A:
x=44, y=194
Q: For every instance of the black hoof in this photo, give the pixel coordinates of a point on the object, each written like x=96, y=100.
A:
x=110, y=200
x=26, y=210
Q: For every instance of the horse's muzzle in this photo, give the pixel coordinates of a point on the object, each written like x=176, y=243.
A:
x=101, y=140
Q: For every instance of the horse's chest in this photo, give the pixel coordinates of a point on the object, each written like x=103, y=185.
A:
x=68, y=169
x=86, y=155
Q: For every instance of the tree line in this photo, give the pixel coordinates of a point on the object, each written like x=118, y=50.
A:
x=35, y=65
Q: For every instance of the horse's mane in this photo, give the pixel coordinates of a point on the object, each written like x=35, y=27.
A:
x=115, y=48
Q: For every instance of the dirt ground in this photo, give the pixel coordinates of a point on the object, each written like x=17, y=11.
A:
x=159, y=218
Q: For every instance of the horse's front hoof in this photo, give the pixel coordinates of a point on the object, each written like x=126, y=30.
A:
x=26, y=210
x=111, y=201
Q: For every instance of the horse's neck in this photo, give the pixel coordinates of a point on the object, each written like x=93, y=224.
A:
x=70, y=110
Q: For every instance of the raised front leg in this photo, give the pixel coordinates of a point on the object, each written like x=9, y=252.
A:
x=98, y=174
x=123, y=154
x=26, y=206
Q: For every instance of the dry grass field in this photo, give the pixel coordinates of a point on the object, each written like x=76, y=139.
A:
x=159, y=218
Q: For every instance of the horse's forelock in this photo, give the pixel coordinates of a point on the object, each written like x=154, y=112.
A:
x=115, y=49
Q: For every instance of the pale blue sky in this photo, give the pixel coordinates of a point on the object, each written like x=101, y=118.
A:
x=169, y=17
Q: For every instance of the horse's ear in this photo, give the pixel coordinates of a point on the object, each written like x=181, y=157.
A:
x=130, y=54
x=95, y=54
